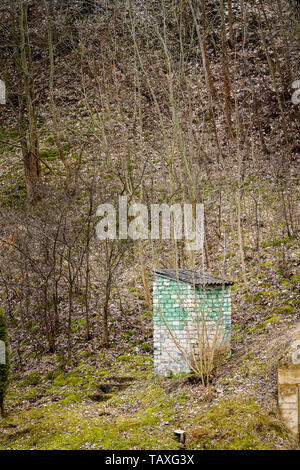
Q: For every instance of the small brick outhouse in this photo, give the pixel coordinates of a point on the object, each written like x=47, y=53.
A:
x=184, y=301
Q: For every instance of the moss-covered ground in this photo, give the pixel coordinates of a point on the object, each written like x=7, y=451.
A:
x=126, y=406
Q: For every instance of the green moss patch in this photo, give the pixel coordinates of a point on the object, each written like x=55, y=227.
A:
x=141, y=418
x=238, y=424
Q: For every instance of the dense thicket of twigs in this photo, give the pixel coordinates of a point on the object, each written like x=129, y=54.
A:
x=164, y=101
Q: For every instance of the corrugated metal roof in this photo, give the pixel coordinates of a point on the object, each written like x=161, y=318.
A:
x=192, y=277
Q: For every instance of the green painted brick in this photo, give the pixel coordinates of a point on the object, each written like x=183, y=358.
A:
x=176, y=299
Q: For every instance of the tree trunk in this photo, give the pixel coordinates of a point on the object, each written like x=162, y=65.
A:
x=30, y=146
x=52, y=102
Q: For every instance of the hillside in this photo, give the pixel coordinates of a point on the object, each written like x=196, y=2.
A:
x=165, y=102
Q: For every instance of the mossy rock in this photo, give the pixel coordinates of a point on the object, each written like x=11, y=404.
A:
x=14, y=194
x=32, y=379
x=68, y=379
x=261, y=326
x=49, y=154
x=125, y=358
x=146, y=347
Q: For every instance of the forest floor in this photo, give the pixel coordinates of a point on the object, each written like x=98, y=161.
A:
x=113, y=400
